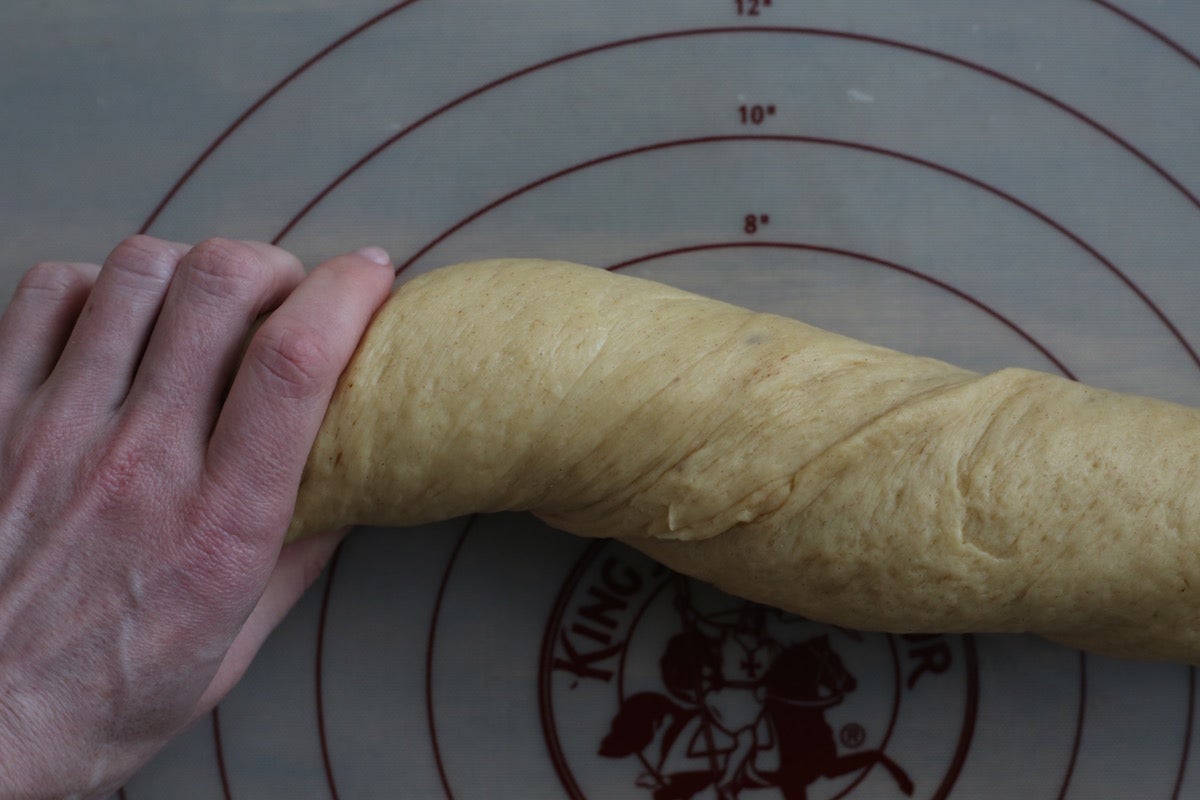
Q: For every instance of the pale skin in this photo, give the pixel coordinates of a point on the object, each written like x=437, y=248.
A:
x=148, y=472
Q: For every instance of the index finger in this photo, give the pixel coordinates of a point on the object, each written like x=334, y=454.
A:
x=278, y=398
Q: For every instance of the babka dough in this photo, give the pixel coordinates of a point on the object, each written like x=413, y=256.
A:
x=841, y=481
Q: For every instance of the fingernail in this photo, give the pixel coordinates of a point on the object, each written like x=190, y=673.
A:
x=376, y=254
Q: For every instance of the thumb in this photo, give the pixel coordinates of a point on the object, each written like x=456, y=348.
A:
x=299, y=565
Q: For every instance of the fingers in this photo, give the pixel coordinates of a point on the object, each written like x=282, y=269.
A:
x=278, y=398
x=300, y=563
x=218, y=289
x=36, y=324
x=100, y=357
x=174, y=570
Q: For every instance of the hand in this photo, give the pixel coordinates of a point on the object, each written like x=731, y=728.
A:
x=147, y=476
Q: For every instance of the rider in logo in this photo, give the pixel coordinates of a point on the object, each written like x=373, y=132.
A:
x=733, y=696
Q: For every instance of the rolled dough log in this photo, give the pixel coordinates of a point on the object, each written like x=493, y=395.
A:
x=841, y=481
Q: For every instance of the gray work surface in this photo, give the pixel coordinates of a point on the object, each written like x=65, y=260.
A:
x=991, y=183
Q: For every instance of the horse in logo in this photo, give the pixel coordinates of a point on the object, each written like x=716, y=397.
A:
x=804, y=681
x=735, y=697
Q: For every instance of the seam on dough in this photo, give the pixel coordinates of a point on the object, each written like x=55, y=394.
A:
x=520, y=467
x=788, y=484
x=1023, y=388
x=791, y=482
x=649, y=478
x=876, y=419
x=971, y=525
x=747, y=515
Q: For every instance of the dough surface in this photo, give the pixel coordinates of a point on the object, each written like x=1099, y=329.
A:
x=842, y=481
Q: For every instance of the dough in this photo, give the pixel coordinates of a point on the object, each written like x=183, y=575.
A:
x=841, y=481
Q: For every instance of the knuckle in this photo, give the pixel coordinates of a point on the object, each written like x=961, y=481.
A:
x=123, y=475
x=52, y=279
x=132, y=466
x=224, y=268
x=230, y=545
x=144, y=258
x=292, y=360
x=218, y=550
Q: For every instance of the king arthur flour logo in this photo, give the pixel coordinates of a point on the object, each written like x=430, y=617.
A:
x=656, y=686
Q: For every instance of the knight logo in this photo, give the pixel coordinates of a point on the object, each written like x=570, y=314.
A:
x=656, y=686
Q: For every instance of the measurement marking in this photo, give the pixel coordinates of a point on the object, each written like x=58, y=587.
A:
x=751, y=8
x=876, y=40
x=950, y=171
x=755, y=114
x=752, y=222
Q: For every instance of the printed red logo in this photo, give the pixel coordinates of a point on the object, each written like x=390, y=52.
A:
x=653, y=685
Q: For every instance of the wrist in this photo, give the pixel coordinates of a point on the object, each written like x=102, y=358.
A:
x=35, y=768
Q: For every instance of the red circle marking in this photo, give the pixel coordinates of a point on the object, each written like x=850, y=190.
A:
x=326, y=758
x=876, y=40
x=430, y=714
x=262, y=101
x=914, y=273
x=1187, y=732
x=222, y=771
x=326, y=761
x=545, y=713
x=1062, y=793
x=1155, y=32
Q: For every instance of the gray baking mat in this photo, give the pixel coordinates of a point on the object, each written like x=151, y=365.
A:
x=988, y=183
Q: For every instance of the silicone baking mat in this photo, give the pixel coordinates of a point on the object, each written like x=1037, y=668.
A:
x=989, y=183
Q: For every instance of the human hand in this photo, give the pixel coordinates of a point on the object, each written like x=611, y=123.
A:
x=147, y=477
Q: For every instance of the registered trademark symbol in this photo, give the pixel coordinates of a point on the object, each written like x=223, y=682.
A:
x=853, y=734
